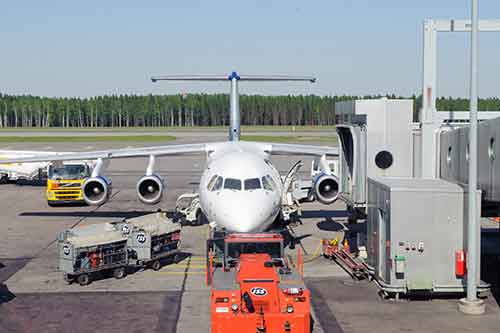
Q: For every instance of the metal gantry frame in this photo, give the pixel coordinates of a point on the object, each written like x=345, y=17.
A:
x=430, y=118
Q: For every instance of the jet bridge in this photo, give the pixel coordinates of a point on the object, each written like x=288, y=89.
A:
x=453, y=160
x=376, y=140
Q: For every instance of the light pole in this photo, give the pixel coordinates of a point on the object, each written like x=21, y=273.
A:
x=471, y=304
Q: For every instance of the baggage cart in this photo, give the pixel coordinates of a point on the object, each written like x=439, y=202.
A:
x=152, y=239
x=144, y=241
x=87, y=251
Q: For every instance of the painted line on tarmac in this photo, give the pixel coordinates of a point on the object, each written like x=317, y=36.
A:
x=188, y=265
x=177, y=273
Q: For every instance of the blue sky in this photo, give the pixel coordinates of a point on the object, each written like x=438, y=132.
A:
x=85, y=48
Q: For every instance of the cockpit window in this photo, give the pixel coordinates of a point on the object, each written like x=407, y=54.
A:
x=268, y=183
x=211, y=183
x=252, y=184
x=215, y=183
x=218, y=184
x=232, y=184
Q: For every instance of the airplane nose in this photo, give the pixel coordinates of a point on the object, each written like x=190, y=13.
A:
x=246, y=215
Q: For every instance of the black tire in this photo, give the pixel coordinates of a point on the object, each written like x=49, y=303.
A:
x=83, y=279
x=156, y=265
x=200, y=218
x=119, y=273
x=175, y=258
x=51, y=204
x=68, y=279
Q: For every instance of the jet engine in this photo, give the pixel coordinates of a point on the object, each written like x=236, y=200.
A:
x=150, y=189
x=325, y=188
x=96, y=190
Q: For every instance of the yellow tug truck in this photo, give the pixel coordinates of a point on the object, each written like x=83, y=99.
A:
x=65, y=180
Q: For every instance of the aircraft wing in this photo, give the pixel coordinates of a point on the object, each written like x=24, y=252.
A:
x=112, y=153
x=307, y=150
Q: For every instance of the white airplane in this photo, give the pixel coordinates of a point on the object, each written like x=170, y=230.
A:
x=240, y=189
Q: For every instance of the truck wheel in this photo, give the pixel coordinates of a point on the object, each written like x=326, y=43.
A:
x=83, y=279
x=119, y=273
x=156, y=265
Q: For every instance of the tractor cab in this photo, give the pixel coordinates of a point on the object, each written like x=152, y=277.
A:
x=254, y=287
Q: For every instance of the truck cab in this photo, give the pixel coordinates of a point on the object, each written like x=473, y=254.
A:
x=64, y=183
x=255, y=288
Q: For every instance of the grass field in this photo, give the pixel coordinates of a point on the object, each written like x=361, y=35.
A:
x=174, y=129
x=104, y=138
x=289, y=139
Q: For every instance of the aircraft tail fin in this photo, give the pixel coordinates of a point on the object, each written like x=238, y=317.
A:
x=234, y=104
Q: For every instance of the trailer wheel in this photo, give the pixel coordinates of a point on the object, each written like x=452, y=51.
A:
x=4, y=179
x=201, y=219
x=175, y=258
x=119, y=273
x=156, y=265
x=83, y=279
x=68, y=279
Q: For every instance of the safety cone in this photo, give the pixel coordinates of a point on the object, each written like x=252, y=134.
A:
x=346, y=248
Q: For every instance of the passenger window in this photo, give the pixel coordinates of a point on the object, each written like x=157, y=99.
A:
x=232, y=184
x=268, y=183
x=252, y=184
x=218, y=184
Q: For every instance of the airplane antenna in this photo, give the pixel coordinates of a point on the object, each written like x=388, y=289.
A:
x=234, y=97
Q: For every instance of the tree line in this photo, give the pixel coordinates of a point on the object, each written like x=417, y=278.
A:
x=186, y=110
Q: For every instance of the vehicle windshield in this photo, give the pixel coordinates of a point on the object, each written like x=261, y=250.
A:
x=252, y=184
x=234, y=250
x=69, y=172
x=232, y=184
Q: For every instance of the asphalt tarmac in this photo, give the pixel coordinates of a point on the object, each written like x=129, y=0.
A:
x=35, y=298
x=34, y=294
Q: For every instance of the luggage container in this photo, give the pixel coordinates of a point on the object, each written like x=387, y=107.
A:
x=88, y=250
x=112, y=247
x=151, y=239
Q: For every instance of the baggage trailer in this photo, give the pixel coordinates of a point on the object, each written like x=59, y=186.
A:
x=151, y=239
x=253, y=287
x=144, y=241
x=93, y=249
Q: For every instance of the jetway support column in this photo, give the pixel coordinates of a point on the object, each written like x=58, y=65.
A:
x=430, y=118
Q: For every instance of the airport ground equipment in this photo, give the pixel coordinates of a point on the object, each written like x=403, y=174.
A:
x=416, y=231
x=253, y=287
x=113, y=247
x=375, y=138
x=341, y=254
x=188, y=208
x=18, y=171
x=65, y=180
x=151, y=238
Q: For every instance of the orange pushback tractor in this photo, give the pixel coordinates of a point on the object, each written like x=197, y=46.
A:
x=253, y=286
